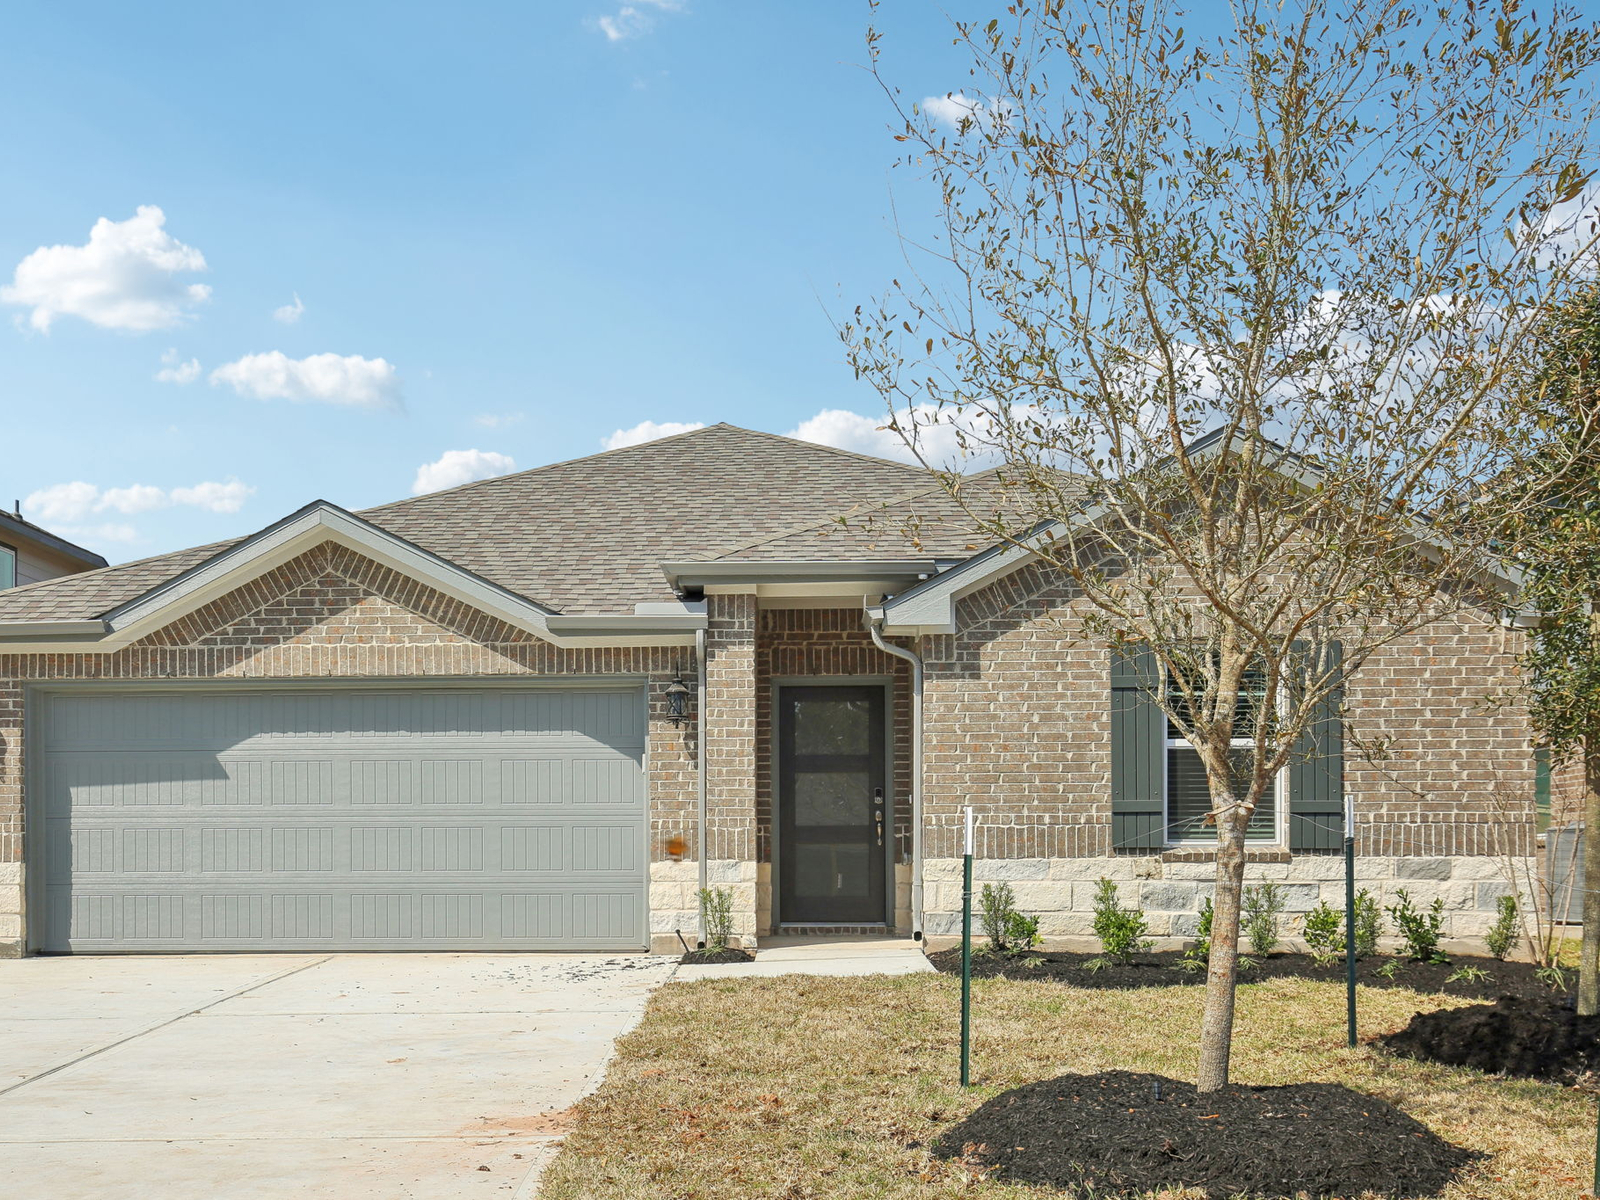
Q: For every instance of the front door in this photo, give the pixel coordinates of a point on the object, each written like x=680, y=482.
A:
x=832, y=814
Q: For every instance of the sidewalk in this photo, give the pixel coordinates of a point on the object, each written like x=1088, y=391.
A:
x=844, y=955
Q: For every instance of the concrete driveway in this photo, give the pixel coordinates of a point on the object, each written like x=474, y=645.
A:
x=356, y=1076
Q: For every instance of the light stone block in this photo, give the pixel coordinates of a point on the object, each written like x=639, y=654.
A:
x=1300, y=897
x=1167, y=897
x=10, y=873
x=1005, y=870
x=1318, y=867
x=940, y=869
x=12, y=900
x=1200, y=872
x=1485, y=867
x=1422, y=868
x=1488, y=895
x=1044, y=896
x=675, y=871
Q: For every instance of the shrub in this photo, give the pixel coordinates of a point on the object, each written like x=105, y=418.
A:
x=1008, y=931
x=1502, y=935
x=1324, y=928
x=716, y=916
x=997, y=905
x=1120, y=930
x=1022, y=933
x=1419, y=929
x=1198, y=956
x=1263, y=905
x=1369, y=924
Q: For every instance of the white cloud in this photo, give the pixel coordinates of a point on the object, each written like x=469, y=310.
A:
x=938, y=438
x=455, y=467
x=322, y=378
x=72, y=503
x=498, y=420
x=288, y=314
x=952, y=108
x=90, y=535
x=124, y=277
x=176, y=370
x=632, y=20
x=648, y=431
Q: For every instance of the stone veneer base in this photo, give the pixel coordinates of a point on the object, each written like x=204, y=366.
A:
x=1060, y=891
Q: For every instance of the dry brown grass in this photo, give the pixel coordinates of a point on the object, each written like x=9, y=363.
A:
x=797, y=1088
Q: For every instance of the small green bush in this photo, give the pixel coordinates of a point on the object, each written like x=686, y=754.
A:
x=1120, y=930
x=1324, y=929
x=1198, y=956
x=997, y=906
x=1022, y=933
x=1369, y=924
x=1502, y=935
x=716, y=916
x=1419, y=929
x=1008, y=931
x=1263, y=906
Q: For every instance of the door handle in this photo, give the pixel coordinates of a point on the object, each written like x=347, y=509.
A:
x=877, y=800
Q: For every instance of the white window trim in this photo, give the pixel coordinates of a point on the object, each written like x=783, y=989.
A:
x=1280, y=782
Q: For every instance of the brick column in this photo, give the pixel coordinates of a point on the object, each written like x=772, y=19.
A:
x=730, y=732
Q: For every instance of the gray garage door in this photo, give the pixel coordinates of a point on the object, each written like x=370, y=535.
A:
x=481, y=818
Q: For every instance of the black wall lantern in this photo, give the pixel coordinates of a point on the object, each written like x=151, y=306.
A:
x=677, y=699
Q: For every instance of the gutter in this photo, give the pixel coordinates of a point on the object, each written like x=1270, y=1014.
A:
x=874, y=623
x=700, y=770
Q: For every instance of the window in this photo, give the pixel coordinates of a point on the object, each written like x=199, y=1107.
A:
x=1188, y=795
x=1541, y=788
x=8, y=567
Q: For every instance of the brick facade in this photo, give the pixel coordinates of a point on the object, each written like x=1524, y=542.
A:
x=1017, y=724
x=332, y=613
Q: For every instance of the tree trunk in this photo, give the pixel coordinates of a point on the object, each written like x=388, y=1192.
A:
x=1216, y=1026
x=1589, y=955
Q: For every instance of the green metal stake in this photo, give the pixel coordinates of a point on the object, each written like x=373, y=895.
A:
x=966, y=957
x=1350, y=932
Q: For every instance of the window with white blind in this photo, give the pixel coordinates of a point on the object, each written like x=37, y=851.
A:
x=1188, y=795
x=8, y=567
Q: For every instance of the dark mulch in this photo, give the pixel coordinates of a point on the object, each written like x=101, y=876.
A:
x=1116, y=1134
x=728, y=955
x=1162, y=970
x=1540, y=1039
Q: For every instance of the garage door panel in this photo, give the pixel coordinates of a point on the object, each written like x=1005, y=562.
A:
x=425, y=833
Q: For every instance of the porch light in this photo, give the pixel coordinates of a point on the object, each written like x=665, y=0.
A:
x=677, y=700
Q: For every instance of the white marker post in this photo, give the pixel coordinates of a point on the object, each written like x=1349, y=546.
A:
x=966, y=954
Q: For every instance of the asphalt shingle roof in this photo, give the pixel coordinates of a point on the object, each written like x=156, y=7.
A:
x=589, y=535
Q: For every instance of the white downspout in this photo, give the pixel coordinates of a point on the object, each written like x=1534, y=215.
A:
x=874, y=627
x=700, y=770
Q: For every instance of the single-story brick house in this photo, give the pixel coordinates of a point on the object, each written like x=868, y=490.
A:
x=535, y=712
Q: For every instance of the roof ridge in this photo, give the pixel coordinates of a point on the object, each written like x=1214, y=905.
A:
x=674, y=437
x=565, y=462
x=855, y=454
x=904, y=498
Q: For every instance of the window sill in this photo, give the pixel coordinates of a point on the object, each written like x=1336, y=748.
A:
x=1203, y=854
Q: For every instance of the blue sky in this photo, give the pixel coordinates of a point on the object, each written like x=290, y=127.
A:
x=514, y=229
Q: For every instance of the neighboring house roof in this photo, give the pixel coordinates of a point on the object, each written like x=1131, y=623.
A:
x=581, y=537
x=14, y=526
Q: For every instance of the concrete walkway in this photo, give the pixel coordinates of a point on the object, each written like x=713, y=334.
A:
x=349, y=1077
x=820, y=955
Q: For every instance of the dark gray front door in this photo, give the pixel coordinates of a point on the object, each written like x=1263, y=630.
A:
x=832, y=814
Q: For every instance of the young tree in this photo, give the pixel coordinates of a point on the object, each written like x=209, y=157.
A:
x=1319, y=233
x=1555, y=527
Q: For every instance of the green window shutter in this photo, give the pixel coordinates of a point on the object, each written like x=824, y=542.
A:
x=1138, y=744
x=1541, y=787
x=1316, y=772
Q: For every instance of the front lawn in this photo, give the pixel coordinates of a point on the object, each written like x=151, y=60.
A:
x=802, y=1088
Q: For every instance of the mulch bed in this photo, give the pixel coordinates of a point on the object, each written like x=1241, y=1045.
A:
x=1539, y=1039
x=1162, y=969
x=1121, y=1133
x=729, y=955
